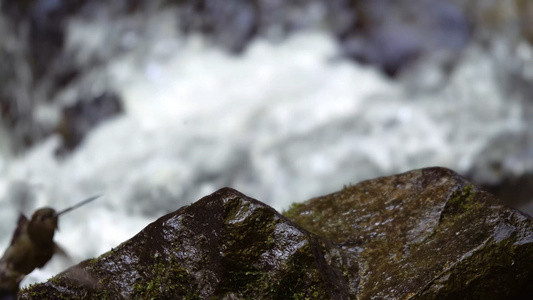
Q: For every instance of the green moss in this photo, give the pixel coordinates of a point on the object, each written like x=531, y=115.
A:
x=249, y=243
x=293, y=210
x=347, y=186
x=310, y=218
x=463, y=199
x=298, y=278
x=166, y=280
x=462, y=204
x=33, y=292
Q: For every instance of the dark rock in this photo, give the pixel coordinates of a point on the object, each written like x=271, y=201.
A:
x=231, y=24
x=425, y=234
x=391, y=35
x=525, y=13
x=516, y=191
x=504, y=168
x=224, y=245
x=78, y=119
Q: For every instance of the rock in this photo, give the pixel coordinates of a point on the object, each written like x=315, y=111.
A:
x=78, y=119
x=224, y=245
x=425, y=234
x=392, y=35
x=525, y=13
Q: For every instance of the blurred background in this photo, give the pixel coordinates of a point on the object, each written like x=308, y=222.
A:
x=155, y=104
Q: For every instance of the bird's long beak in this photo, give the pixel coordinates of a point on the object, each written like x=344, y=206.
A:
x=76, y=206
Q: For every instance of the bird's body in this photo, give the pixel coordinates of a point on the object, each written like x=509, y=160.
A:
x=32, y=244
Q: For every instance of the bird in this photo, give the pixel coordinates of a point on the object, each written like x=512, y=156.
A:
x=32, y=245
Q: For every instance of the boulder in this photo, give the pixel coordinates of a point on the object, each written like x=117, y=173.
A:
x=424, y=234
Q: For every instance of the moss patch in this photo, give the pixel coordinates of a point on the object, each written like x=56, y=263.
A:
x=165, y=280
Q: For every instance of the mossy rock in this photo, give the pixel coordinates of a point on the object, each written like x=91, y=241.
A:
x=425, y=234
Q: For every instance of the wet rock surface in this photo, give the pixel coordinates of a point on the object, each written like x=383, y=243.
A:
x=225, y=245
x=425, y=234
